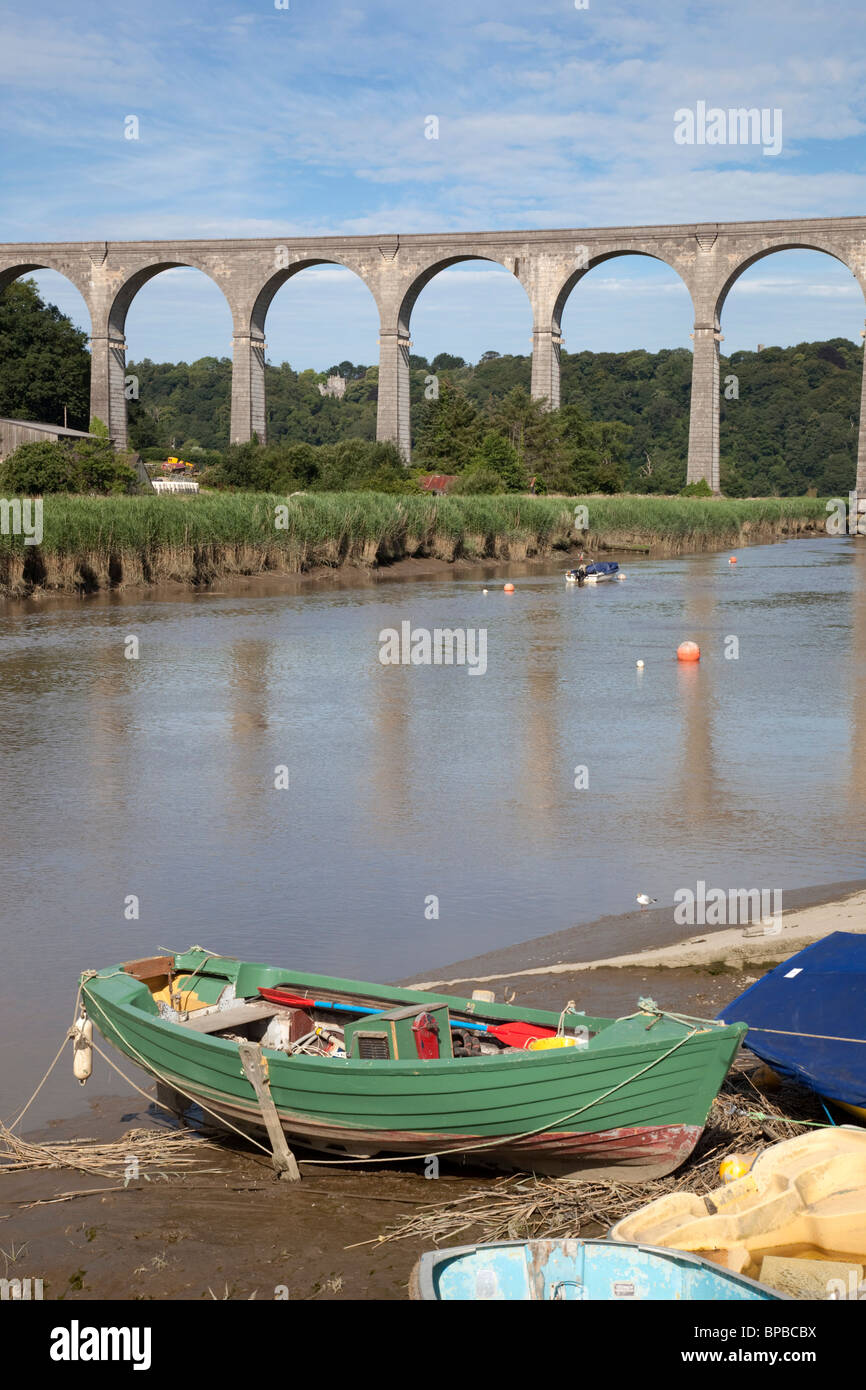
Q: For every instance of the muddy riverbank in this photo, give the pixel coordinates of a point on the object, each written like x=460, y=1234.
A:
x=230, y=1230
x=650, y=939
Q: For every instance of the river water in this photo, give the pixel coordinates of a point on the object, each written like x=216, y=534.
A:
x=416, y=790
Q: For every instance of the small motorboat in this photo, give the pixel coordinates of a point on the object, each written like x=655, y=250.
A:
x=598, y=572
x=574, y=1270
x=806, y=1019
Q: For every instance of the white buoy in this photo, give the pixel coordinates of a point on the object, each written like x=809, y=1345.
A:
x=82, y=1048
x=640, y=665
x=484, y=591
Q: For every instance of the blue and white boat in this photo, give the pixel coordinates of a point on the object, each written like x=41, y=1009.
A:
x=574, y=1270
x=597, y=572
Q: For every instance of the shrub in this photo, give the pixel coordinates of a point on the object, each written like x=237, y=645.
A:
x=82, y=465
x=37, y=468
x=477, y=482
x=699, y=489
x=498, y=455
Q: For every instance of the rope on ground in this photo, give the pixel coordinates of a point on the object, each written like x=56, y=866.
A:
x=148, y=1066
x=19, y=1117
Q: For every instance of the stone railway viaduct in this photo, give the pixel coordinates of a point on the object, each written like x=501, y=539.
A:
x=709, y=257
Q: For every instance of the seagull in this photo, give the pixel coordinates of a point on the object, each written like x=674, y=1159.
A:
x=645, y=900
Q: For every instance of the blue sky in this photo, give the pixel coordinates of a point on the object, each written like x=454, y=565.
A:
x=263, y=121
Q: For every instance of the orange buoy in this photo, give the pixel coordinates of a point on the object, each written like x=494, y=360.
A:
x=509, y=588
x=688, y=651
x=733, y=560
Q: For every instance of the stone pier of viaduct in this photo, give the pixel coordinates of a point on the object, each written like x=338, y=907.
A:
x=708, y=257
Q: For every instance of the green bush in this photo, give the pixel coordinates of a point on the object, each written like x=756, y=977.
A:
x=33, y=469
x=82, y=465
x=351, y=465
x=498, y=456
x=477, y=482
x=699, y=489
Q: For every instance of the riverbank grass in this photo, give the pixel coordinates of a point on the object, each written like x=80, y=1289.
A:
x=104, y=542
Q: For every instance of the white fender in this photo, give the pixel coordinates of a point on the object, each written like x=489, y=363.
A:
x=82, y=1048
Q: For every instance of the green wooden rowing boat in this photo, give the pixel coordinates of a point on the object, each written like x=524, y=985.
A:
x=628, y=1098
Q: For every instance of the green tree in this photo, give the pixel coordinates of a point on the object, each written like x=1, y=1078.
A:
x=699, y=489
x=497, y=456
x=446, y=362
x=532, y=431
x=449, y=431
x=478, y=482
x=44, y=362
x=100, y=467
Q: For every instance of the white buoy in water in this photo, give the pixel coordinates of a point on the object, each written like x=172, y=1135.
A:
x=640, y=665
x=484, y=591
x=82, y=1048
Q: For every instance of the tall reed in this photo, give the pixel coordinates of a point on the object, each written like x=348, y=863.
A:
x=97, y=542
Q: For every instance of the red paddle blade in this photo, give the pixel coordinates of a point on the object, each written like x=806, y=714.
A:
x=519, y=1034
x=284, y=996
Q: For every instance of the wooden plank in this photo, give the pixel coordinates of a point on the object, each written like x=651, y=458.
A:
x=230, y=1018
x=149, y=967
x=254, y=1069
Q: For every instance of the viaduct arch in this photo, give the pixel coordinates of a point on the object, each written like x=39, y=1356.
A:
x=709, y=258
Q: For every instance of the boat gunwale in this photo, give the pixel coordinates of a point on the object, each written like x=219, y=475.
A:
x=541, y=1060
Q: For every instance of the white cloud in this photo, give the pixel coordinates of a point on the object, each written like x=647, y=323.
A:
x=309, y=121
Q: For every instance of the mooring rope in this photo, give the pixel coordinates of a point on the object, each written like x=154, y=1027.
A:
x=816, y=1037
x=69, y=1035
x=148, y=1066
x=505, y=1140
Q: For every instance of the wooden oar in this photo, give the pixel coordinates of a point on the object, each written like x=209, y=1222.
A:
x=280, y=996
x=508, y=1033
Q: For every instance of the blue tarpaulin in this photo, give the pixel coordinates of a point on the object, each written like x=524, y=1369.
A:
x=807, y=1018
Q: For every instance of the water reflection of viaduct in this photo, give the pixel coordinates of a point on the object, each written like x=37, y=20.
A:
x=708, y=257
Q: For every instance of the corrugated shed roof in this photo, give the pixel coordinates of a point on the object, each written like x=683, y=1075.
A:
x=49, y=429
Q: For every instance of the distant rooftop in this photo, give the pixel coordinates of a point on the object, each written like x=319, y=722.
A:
x=437, y=482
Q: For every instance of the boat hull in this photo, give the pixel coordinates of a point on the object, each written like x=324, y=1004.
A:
x=632, y=1103
x=574, y=1270
x=635, y=1154
x=806, y=1019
